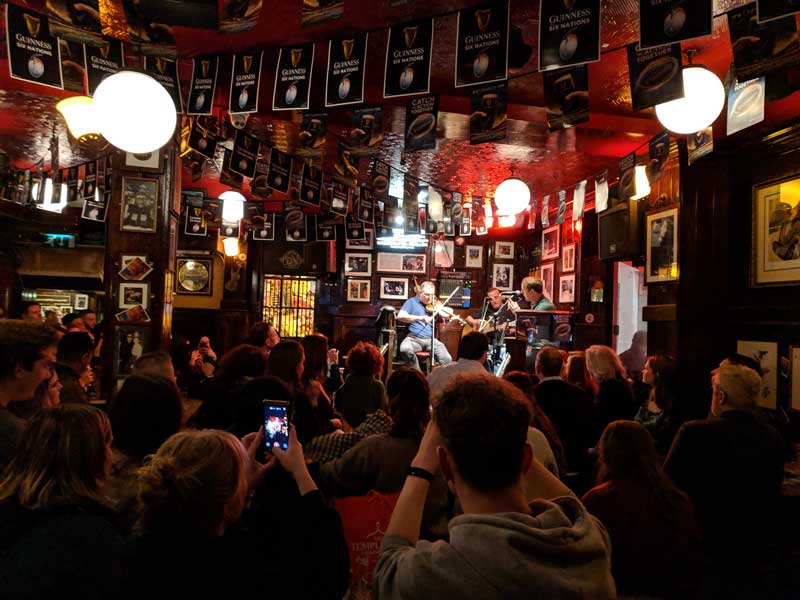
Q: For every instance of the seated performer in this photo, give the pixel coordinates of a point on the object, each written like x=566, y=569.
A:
x=420, y=328
x=496, y=314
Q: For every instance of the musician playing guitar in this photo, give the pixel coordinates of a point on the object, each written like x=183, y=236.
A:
x=497, y=314
x=417, y=312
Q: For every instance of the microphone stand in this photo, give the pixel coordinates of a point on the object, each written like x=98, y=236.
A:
x=435, y=312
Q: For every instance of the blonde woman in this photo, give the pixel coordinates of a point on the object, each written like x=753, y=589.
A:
x=613, y=394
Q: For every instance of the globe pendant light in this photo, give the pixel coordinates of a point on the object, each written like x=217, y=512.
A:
x=81, y=117
x=435, y=204
x=134, y=112
x=232, y=206
x=702, y=103
x=512, y=196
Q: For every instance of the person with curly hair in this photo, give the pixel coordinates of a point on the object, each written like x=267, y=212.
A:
x=363, y=392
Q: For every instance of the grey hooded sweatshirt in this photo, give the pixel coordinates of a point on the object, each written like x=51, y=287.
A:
x=559, y=551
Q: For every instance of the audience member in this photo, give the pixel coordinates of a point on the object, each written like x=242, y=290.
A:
x=633, y=358
x=205, y=351
x=263, y=335
x=613, y=396
x=577, y=374
x=73, y=322
x=502, y=546
x=46, y=396
x=31, y=311
x=654, y=535
x=74, y=358
x=315, y=372
x=363, y=392
x=471, y=358
x=52, y=318
x=156, y=363
x=660, y=373
x=89, y=318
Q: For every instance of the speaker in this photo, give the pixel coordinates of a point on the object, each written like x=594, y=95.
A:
x=620, y=230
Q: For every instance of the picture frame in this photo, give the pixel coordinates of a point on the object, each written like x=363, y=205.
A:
x=568, y=258
x=547, y=274
x=149, y=162
x=394, y=288
x=139, y=210
x=403, y=262
x=774, y=241
x=503, y=276
x=358, y=264
x=551, y=240
x=65, y=310
x=794, y=357
x=134, y=294
x=81, y=301
x=367, y=243
x=566, y=289
x=662, y=246
x=444, y=252
x=134, y=267
x=504, y=250
x=766, y=354
x=359, y=290
x=474, y=257
x=129, y=344
x=194, y=276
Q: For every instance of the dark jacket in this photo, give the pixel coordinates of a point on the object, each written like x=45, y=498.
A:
x=71, y=389
x=359, y=396
x=614, y=401
x=570, y=410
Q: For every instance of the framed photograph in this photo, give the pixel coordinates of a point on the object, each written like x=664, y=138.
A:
x=133, y=315
x=474, y=256
x=551, y=239
x=129, y=345
x=794, y=353
x=134, y=268
x=662, y=246
x=65, y=310
x=566, y=289
x=358, y=290
x=133, y=294
x=443, y=253
x=504, y=250
x=358, y=264
x=194, y=276
x=81, y=301
x=394, y=288
x=398, y=262
x=765, y=354
x=367, y=243
x=568, y=259
x=502, y=276
x=139, y=204
x=548, y=270
x=775, y=247
x=148, y=162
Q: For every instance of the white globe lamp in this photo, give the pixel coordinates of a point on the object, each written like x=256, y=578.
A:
x=232, y=206
x=704, y=97
x=512, y=197
x=435, y=204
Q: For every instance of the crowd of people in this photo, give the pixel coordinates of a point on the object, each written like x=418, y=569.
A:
x=568, y=482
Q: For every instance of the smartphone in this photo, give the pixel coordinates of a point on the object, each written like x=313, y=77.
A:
x=276, y=424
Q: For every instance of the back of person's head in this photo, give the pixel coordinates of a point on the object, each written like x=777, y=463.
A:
x=74, y=347
x=71, y=319
x=22, y=343
x=532, y=284
x=409, y=405
x=156, y=363
x=61, y=460
x=473, y=346
x=603, y=364
x=741, y=385
x=285, y=359
x=315, y=350
x=549, y=362
x=577, y=374
x=248, y=403
x=365, y=359
x=407, y=380
x=744, y=361
x=665, y=376
x=484, y=422
x=522, y=381
x=244, y=360
x=146, y=411
x=194, y=485
x=259, y=333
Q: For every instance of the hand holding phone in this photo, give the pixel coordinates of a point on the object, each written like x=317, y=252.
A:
x=276, y=424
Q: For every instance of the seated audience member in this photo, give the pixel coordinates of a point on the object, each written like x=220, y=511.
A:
x=501, y=547
x=74, y=357
x=263, y=335
x=363, y=392
x=471, y=357
x=192, y=495
x=56, y=534
x=577, y=374
x=29, y=351
x=653, y=531
x=614, y=396
x=731, y=467
x=315, y=373
x=205, y=351
x=31, y=311
x=156, y=363
x=660, y=373
x=633, y=358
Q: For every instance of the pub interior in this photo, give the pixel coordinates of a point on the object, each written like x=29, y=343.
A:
x=335, y=210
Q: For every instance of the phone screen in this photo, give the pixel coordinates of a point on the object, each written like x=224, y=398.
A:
x=276, y=424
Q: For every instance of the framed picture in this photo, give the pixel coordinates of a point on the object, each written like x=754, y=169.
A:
x=474, y=257
x=367, y=243
x=139, y=204
x=566, y=289
x=794, y=354
x=443, y=253
x=65, y=310
x=568, y=259
x=357, y=263
x=81, y=301
x=504, y=250
x=662, y=246
x=394, y=288
x=398, y=262
x=133, y=294
x=775, y=247
x=194, y=276
x=134, y=268
x=358, y=290
x=502, y=276
x=551, y=238
x=765, y=354
x=129, y=345
x=148, y=162
x=548, y=271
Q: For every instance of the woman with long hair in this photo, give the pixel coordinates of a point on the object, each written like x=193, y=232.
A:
x=660, y=373
x=577, y=374
x=315, y=373
x=363, y=392
x=613, y=398
x=651, y=523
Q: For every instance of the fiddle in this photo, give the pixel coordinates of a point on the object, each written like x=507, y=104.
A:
x=441, y=309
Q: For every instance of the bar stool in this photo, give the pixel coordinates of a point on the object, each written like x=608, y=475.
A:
x=422, y=358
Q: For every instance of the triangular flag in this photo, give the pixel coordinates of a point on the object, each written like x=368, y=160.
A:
x=601, y=191
x=578, y=200
x=562, y=206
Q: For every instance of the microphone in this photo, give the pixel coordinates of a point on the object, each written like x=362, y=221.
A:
x=515, y=295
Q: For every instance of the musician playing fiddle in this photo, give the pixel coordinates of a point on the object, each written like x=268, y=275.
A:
x=418, y=316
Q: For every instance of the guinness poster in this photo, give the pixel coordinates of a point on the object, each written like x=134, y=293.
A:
x=340, y=198
x=601, y=191
x=203, y=85
x=381, y=175
x=245, y=154
x=408, y=59
x=295, y=224
x=313, y=130
x=258, y=184
x=280, y=168
x=72, y=185
x=569, y=33
x=482, y=44
x=89, y=180
x=344, y=81
x=230, y=229
x=658, y=155
x=410, y=205
x=421, y=116
x=238, y=15
x=700, y=143
x=102, y=61
x=760, y=48
x=488, y=113
x=311, y=184
x=479, y=216
x=228, y=176
x=202, y=139
x=366, y=206
x=655, y=75
x=345, y=170
x=664, y=22
x=326, y=228
x=165, y=71
x=72, y=69
x=33, y=54
x=293, y=77
x=457, y=207
x=245, y=81
x=195, y=220
x=745, y=104
x=367, y=132
x=566, y=93
x=75, y=21
x=466, y=223
x=775, y=9
x=266, y=231
x=627, y=183
x=353, y=228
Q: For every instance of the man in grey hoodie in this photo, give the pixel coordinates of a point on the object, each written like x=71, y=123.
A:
x=501, y=547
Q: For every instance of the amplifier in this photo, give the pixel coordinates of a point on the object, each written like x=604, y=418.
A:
x=447, y=281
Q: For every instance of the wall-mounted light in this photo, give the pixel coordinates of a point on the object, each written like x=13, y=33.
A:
x=232, y=206
x=642, y=184
x=81, y=117
x=231, y=246
x=704, y=97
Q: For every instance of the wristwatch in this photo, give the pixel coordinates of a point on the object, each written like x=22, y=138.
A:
x=419, y=472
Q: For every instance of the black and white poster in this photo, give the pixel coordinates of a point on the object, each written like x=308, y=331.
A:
x=482, y=44
x=311, y=138
x=326, y=227
x=761, y=48
x=165, y=71
x=488, y=119
x=545, y=217
x=95, y=209
x=89, y=180
x=203, y=85
x=33, y=54
x=347, y=61
x=293, y=77
x=655, y=75
x=569, y=33
x=366, y=206
x=265, y=230
x=775, y=9
x=72, y=185
x=566, y=93
x=408, y=59
x=627, y=181
x=311, y=184
x=562, y=207
x=202, y=139
x=381, y=175
x=668, y=21
x=245, y=154
x=745, y=104
x=228, y=176
x=421, y=115
x=578, y=200
x=280, y=168
x=245, y=82
x=367, y=132
x=101, y=61
x=410, y=206
x=340, y=198
x=601, y=191
x=230, y=229
x=658, y=155
x=353, y=228
x=75, y=21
